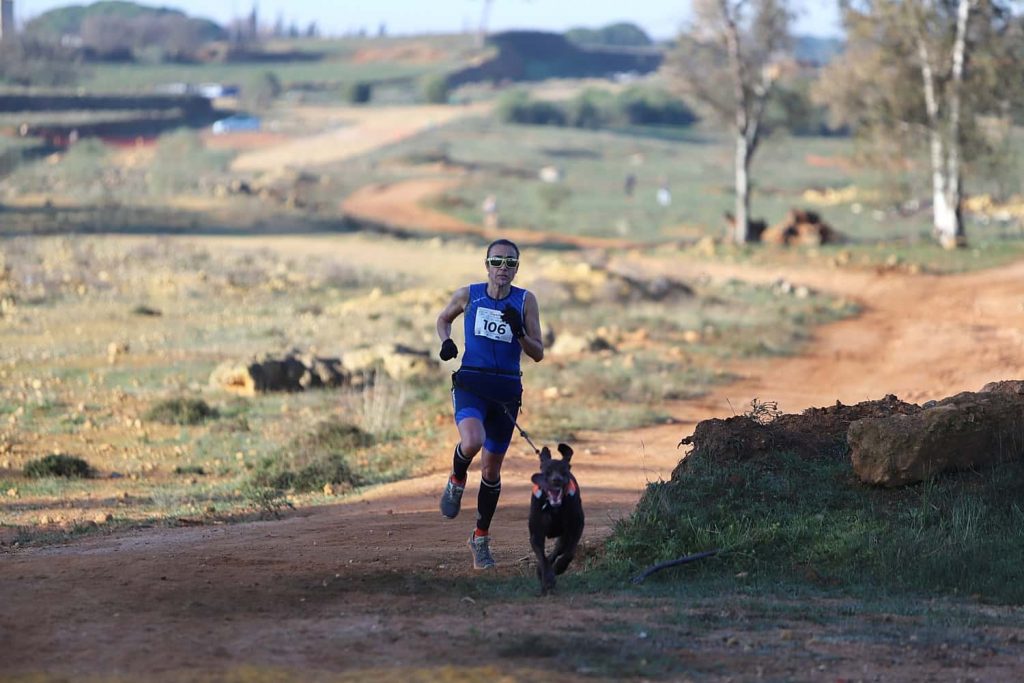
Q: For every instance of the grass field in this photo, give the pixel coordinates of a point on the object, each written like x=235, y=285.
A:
x=341, y=61
x=812, y=173
x=172, y=312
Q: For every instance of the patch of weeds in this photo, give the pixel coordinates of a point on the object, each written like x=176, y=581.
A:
x=58, y=465
x=316, y=459
x=780, y=517
x=268, y=501
x=181, y=411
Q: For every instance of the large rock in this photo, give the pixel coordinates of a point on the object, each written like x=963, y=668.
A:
x=966, y=431
x=290, y=372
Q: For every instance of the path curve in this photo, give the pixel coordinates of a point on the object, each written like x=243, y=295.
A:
x=373, y=582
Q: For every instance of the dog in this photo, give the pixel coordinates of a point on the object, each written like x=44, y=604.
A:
x=556, y=511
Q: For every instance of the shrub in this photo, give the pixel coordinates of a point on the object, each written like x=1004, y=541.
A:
x=359, y=92
x=316, y=459
x=592, y=108
x=58, y=465
x=435, y=88
x=181, y=411
x=653, y=107
x=517, y=107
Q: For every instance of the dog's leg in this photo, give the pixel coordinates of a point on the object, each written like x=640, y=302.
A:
x=545, y=572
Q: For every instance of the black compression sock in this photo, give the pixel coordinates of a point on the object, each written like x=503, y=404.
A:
x=487, y=502
x=460, y=463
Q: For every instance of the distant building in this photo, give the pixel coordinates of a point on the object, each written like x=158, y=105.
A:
x=7, y=29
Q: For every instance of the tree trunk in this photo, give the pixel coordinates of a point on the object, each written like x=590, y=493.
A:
x=741, y=231
x=945, y=153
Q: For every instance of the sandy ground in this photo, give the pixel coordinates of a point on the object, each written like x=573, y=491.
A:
x=380, y=587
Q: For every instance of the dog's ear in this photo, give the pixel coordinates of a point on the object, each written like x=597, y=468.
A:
x=565, y=451
x=545, y=455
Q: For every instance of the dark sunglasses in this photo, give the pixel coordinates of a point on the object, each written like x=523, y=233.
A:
x=499, y=261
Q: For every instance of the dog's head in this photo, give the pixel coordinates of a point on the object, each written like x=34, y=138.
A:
x=554, y=479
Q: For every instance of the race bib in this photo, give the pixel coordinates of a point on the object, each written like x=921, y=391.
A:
x=489, y=324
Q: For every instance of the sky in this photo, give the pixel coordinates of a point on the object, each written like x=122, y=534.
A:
x=659, y=18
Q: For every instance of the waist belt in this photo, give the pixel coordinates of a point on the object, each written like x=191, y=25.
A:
x=492, y=371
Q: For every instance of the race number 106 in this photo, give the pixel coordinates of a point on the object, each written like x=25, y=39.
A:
x=495, y=328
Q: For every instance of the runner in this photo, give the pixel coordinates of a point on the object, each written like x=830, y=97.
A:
x=501, y=323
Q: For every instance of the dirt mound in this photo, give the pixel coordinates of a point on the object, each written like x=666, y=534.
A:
x=817, y=432
x=802, y=228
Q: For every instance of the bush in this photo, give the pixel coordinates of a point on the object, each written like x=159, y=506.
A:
x=181, y=411
x=517, y=107
x=592, y=108
x=435, y=89
x=58, y=465
x=359, y=92
x=653, y=107
x=316, y=459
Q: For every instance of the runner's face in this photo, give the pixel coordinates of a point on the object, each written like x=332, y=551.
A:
x=502, y=274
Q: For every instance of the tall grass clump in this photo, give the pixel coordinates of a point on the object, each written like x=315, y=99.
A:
x=786, y=518
x=58, y=465
x=378, y=407
x=181, y=411
x=324, y=456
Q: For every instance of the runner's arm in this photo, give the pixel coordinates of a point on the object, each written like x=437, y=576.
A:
x=532, y=342
x=451, y=311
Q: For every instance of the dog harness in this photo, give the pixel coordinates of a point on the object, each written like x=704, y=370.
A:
x=570, y=490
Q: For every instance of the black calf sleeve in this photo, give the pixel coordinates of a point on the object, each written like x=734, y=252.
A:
x=460, y=463
x=487, y=502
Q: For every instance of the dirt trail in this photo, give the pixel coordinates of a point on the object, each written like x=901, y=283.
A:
x=359, y=130
x=402, y=206
x=380, y=582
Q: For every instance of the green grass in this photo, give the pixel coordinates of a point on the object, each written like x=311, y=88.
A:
x=782, y=520
x=697, y=165
x=335, y=68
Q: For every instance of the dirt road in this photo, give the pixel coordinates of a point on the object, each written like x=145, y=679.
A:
x=379, y=587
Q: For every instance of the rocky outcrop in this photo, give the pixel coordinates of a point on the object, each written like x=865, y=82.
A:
x=295, y=371
x=966, y=431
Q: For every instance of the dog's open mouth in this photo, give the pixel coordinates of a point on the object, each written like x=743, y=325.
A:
x=554, y=496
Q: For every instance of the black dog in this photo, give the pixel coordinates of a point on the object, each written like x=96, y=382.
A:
x=556, y=511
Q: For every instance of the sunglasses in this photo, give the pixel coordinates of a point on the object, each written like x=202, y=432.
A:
x=499, y=261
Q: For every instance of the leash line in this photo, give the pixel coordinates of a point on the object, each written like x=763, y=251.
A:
x=504, y=407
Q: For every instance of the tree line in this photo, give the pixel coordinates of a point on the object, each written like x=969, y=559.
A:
x=939, y=77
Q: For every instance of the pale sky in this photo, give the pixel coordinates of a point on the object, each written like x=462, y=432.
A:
x=660, y=18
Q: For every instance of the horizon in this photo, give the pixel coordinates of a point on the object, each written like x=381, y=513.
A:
x=660, y=19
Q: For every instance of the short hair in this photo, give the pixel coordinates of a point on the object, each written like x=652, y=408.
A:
x=505, y=242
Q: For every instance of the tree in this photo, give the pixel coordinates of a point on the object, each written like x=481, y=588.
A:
x=729, y=62
x=923, y=74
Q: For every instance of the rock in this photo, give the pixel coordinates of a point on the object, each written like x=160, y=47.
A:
x=966, y=431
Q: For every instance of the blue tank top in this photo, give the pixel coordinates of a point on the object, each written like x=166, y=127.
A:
x=489, y=341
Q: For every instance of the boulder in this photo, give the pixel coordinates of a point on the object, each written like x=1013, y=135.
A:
x=801, y=228
x=966, y=431
x=290, y=372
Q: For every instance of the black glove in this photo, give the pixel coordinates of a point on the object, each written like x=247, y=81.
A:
x=448, y=350
x=510, y=316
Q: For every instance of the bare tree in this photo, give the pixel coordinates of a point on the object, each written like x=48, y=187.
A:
x=925, y=71
x=729, y=62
